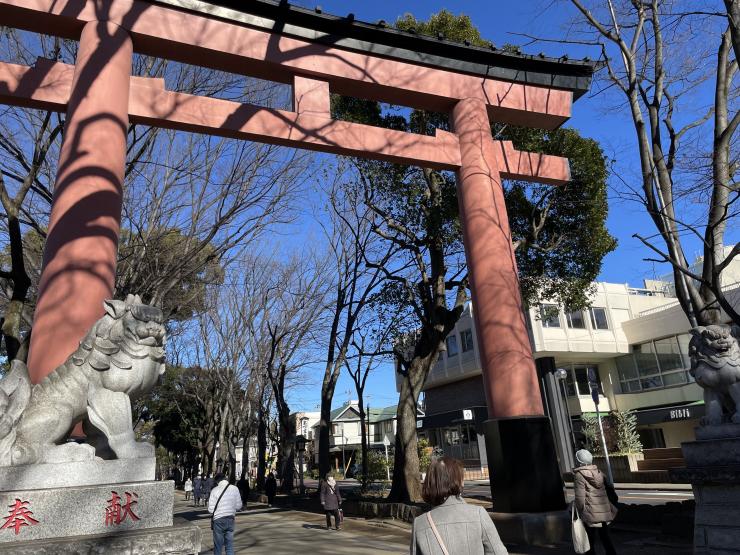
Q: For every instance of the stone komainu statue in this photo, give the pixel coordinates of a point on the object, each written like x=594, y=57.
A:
x=715, y=363
x=120, y=358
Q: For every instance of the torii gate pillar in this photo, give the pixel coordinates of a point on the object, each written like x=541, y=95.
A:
x=80, y=253
x=524, y=472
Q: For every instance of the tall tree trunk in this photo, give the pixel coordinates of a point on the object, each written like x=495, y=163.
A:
x=11, y=325
x=324, y=434
x=245, y=456
x=261, y=449
x=406, y=486
x=285, y=450
x=363, y=439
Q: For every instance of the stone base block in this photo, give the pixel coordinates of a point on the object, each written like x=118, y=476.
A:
x=81, y=473
x=541, y=529
x=180, y=539
x=717, y=519
x=713, y=468
x=702, y=453
x=722, y=431
x=63, y=512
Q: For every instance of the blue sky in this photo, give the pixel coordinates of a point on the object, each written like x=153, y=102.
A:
x=500, y=21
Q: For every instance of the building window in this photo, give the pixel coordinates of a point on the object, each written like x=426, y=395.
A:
x=550, y=315
x=570, y=385
x=452, y=346
x=576, y=320
x=668, y=353
x=581, y=373
x=598, y=318
x=466, y=336
x=654, y=365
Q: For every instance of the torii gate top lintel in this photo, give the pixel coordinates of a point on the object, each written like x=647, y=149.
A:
x=317, y=54
x=278, y=41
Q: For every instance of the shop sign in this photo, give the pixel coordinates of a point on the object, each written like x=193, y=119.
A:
x=679, y=414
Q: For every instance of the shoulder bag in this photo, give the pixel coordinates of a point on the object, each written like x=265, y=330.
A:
x=213, y=514
x=436, y=534
x=580, y=537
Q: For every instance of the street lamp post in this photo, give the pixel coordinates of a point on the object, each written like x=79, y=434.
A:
x=562, y=374
x=300, y=442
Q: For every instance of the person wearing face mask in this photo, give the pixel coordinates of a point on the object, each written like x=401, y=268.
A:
x=331, y=500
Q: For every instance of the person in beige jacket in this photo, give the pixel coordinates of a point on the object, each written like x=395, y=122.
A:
x=592, y=501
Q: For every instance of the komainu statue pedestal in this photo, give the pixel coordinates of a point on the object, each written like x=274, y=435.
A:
x=64, y=509
x=713, y=469
x=59, y=496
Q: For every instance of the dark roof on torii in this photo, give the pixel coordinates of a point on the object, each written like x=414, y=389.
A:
x=383, y=40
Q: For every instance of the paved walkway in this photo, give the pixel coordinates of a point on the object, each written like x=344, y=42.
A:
x=274, y=531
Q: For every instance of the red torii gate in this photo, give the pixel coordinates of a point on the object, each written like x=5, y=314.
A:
x=291, y=45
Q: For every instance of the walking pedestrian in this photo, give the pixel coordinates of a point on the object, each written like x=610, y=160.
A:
x=197, y=489
x=452, y=526
x=331, y=500
x=207, y=485
x=188, y=487
x=223, y=503
x=243, y=486
x=592, y=501
x=270, y=488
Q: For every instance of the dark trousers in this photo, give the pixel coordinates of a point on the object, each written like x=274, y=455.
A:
x=334, y=512
x=606, y=540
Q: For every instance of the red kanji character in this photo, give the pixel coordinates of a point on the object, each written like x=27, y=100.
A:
x=131, y=499
x=19, y=516
x=115, y=512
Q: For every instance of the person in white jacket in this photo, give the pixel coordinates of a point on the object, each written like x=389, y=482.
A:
x=223, y=503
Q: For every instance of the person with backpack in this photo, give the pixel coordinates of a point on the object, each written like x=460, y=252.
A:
x=223, y=503
x=592, y=501
x=331, y=500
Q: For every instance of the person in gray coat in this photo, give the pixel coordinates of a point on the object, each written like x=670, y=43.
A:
x=452, y=526
x=592, y=501
x=331, y=500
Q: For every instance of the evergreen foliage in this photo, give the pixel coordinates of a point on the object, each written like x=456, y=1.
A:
x=628, y=440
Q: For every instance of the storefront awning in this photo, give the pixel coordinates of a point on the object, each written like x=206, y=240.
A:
x=673, y=413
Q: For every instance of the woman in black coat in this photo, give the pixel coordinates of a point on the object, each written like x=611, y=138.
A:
x=331, y=500
x=270, y=488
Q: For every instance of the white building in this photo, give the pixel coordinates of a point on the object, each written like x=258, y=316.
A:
x=635, y=338
x=345, y=440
